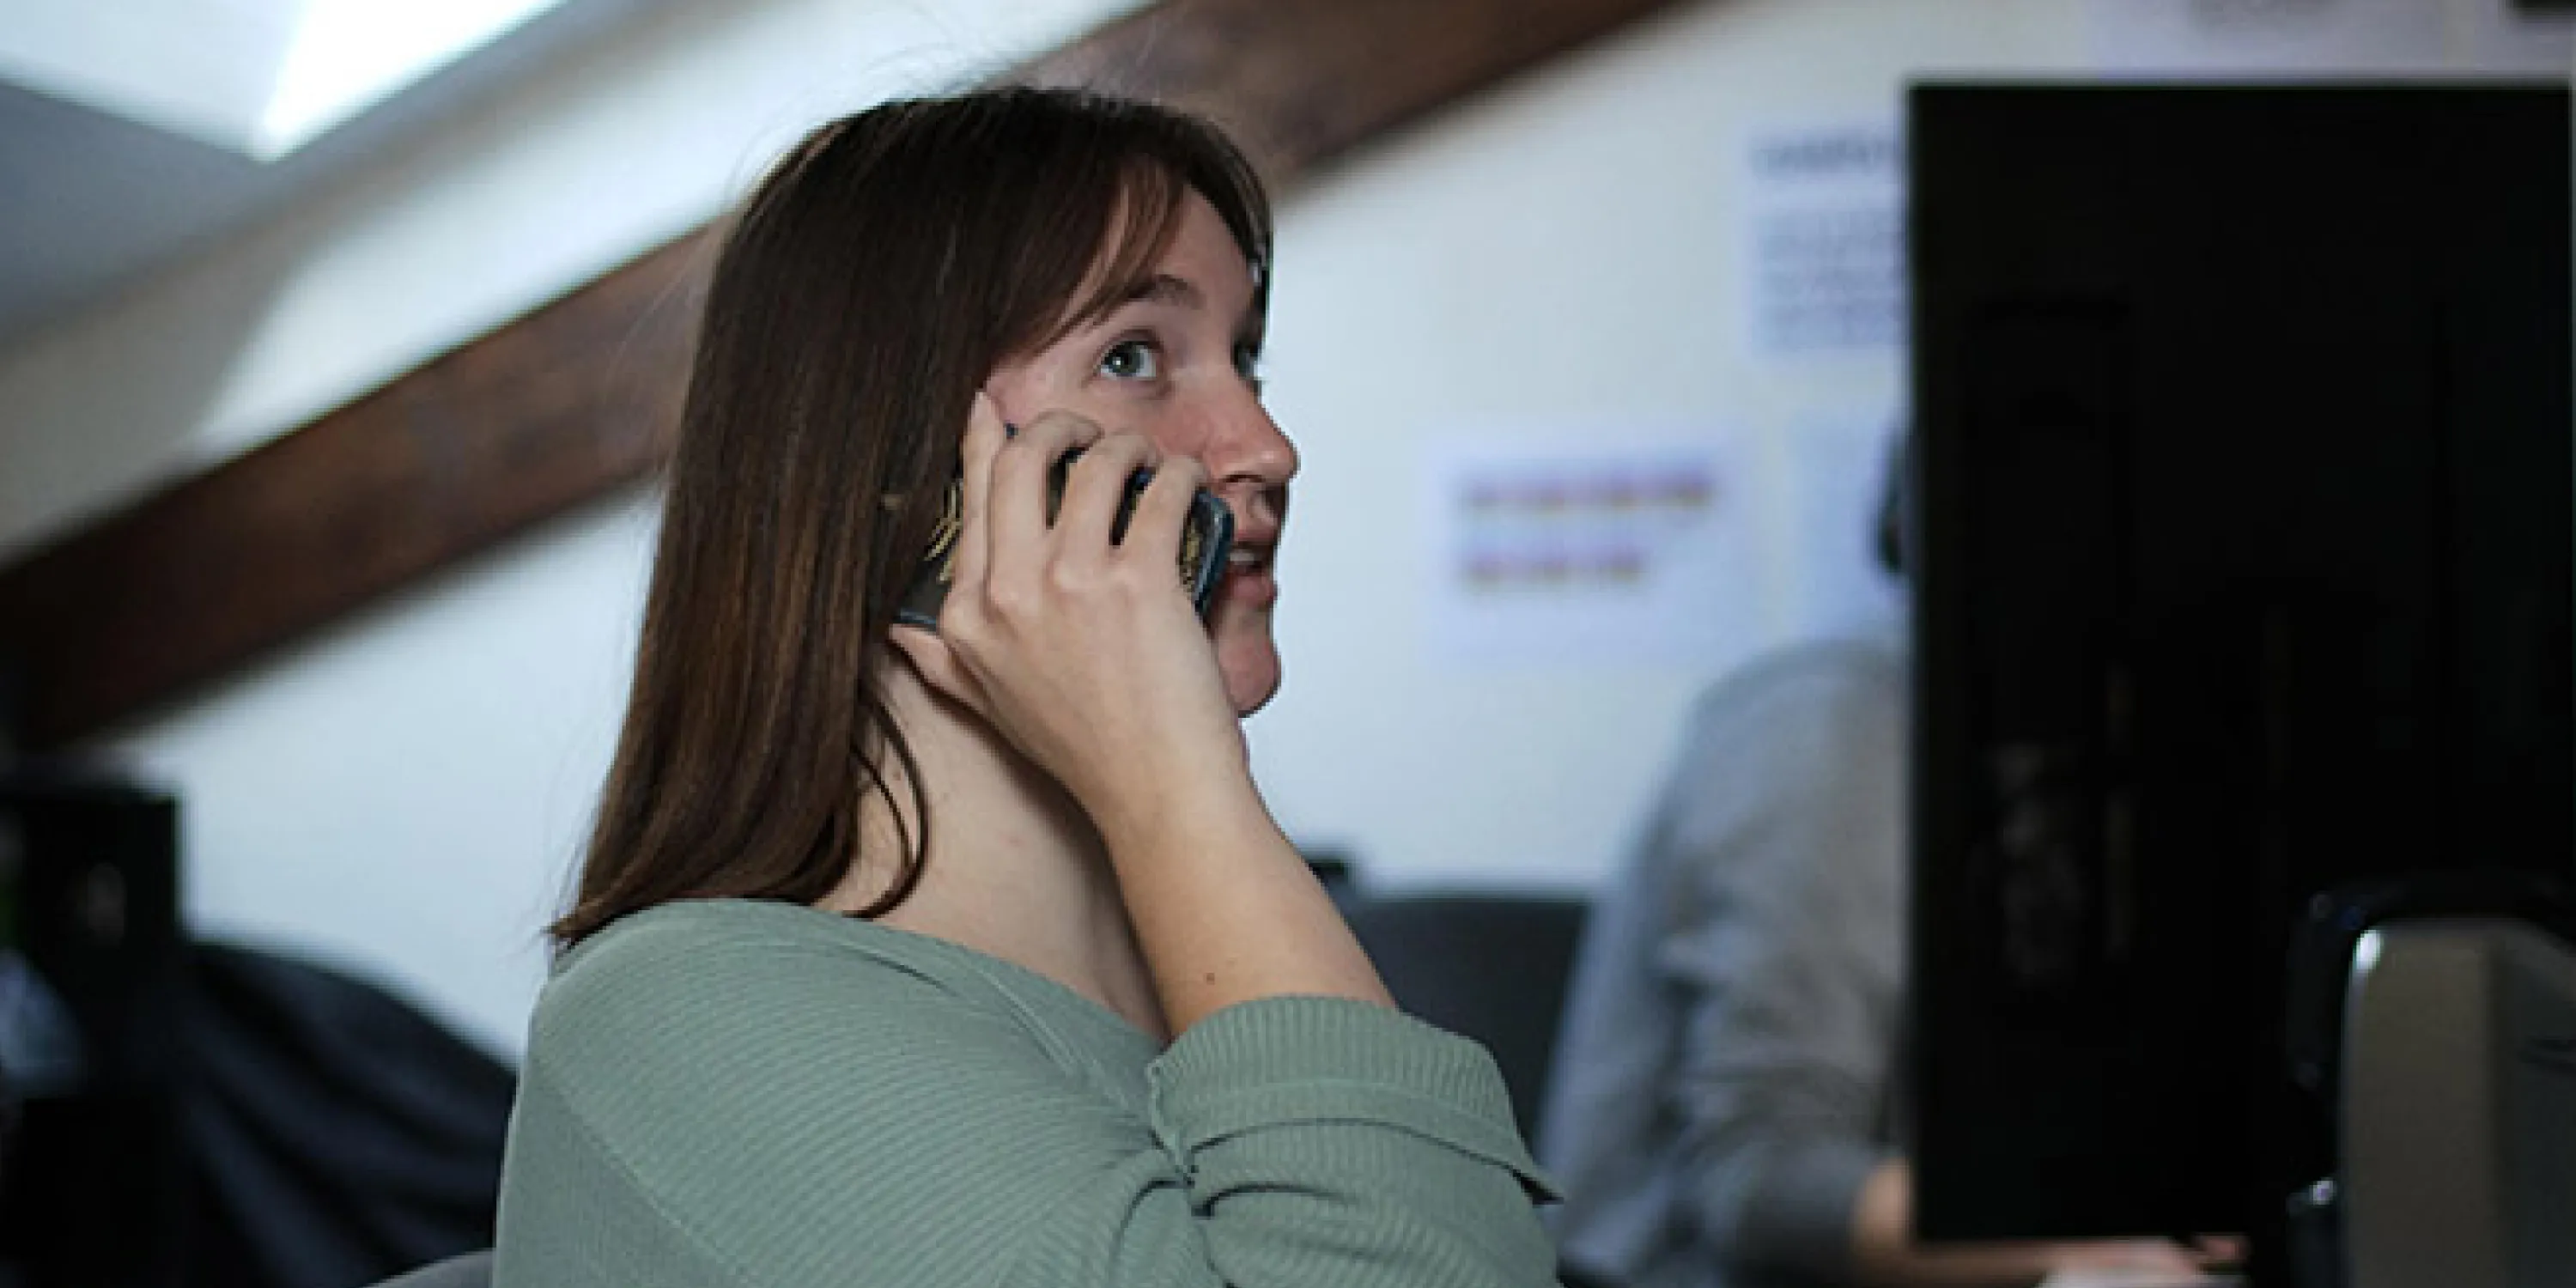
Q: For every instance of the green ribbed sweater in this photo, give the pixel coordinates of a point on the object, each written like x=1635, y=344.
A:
x=742, y=1093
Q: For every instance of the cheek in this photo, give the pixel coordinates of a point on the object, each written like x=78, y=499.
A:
x=1179, y=435
x=1048, y=384
x=1020, y=391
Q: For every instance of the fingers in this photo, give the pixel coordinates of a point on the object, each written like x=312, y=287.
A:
x=985, y=435
x=1096, y=486
x=938, y=666
x=1015, y=551
x=1005, y=507
x=2133, y=1255
x=1076, y=649
x=1016, y=507
x=1154, y=534
x=2219, y=1249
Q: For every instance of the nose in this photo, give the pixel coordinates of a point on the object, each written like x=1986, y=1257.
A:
x=1246, y=450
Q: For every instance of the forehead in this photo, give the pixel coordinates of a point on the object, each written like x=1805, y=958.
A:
x=1153, y=248
x=1202, y=251
x=1190, y=244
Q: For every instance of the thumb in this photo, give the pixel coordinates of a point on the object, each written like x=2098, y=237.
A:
x=938, y=666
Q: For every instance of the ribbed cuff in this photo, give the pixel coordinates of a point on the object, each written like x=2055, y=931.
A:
x=1284, y=1060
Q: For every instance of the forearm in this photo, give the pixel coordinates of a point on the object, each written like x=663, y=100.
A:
x=1225, y=909
x=1885, y=1254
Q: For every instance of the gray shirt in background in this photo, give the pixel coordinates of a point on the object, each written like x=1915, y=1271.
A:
x=1723, y=1083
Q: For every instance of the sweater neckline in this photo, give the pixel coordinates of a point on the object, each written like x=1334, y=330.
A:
x=1008, y=976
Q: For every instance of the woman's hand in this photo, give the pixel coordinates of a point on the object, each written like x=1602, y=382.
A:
x=1091, y=660
x=1087, y=655
x=1884, y=1253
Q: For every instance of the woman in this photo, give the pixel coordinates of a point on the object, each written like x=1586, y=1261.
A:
x=906, y=957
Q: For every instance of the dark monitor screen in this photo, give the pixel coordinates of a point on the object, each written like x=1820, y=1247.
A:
x=2242, y=570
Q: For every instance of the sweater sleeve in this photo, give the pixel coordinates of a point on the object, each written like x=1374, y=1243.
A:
x=785, y=1118
x=1314, y=1141
x=1786, y=941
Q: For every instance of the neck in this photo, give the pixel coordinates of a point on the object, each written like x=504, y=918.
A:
x=1014, y=870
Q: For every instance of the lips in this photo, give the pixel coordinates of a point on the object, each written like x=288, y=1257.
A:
x=1248, y=578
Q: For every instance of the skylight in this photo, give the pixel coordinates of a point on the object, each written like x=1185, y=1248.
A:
x=349, y=54
x=261, y=77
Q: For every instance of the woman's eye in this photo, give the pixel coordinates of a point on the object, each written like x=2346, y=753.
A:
x=1132, y=360
x=1247, y=364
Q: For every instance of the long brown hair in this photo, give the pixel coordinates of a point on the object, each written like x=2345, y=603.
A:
x=866, y=290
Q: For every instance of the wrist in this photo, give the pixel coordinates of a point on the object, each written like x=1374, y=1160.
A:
x=1194, y=817
x=1226, y=911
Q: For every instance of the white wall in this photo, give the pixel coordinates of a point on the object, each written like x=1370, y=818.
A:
x=403, y=794
x=1560, y=257
x=538, y=192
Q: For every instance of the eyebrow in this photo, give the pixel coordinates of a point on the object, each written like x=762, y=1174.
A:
x=1163, y=288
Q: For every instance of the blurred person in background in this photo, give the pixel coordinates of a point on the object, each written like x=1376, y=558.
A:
x=1725, y=1103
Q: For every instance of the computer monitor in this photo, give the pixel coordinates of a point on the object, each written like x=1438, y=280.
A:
x=2241, y=554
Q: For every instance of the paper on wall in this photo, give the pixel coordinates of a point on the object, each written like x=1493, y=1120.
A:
x=1554, y=554
x=2195, y=39
x=2506, y=41
x=1824, y=263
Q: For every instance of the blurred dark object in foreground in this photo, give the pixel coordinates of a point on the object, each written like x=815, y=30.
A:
x=335, y=1135
x=2244, y=522
x=233, y=1119
x=95, y=1184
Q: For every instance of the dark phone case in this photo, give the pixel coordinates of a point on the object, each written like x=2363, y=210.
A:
x=1207, y=536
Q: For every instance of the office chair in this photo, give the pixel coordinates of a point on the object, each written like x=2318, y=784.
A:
x=1492, y=967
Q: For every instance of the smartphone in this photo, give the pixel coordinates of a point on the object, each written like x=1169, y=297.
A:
x=1207, y=536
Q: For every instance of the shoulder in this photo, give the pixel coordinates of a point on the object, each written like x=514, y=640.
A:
x=792, y=1088
x=1798, y=752
x=1846, y=676
x=675, y=989
x=724, y=1025
x=1813, y=707
x=719, y=945
x=700, y=931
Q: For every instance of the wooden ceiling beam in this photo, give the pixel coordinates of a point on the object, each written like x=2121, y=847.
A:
x=577, y=399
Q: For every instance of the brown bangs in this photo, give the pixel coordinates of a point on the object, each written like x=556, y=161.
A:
x=1129, y=232
x=1147, y=217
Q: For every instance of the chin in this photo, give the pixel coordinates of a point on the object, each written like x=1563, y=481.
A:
x=1250, y=665
x=1251, y=695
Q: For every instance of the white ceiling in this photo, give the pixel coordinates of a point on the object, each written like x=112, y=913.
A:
x=126, y=142
x=262, y=77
